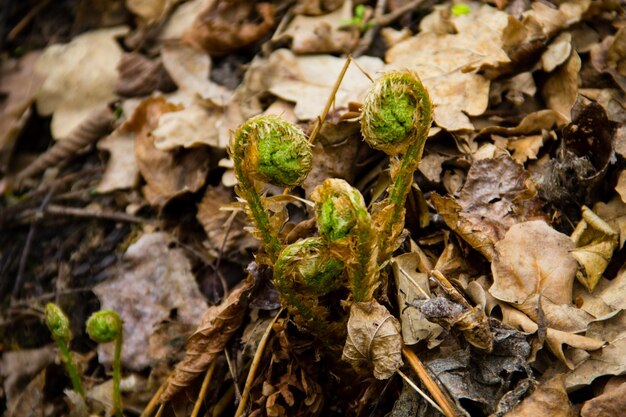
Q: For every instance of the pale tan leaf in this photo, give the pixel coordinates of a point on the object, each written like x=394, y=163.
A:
x=215, y=330
x=614, y=213
x=595, y=242
x=80, y=77
x=121, y=171
x=561, y=88
x=374, y=340
x=533, y=258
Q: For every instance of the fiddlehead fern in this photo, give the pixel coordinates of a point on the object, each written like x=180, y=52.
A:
x=396, y=119
x=344, y=222
x=59, y=326
x=304, y=271
x=103, y=327
x=268, y=149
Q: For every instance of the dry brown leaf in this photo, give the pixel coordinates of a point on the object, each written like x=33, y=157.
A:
x=533, y=123
x=150, y=11
x=614, y=293
x=621, y=185
x=215, y=330
x=321, y=34
x=167, y=174
x=412, y=286
x=525, y=148
x=374, y=340
x=121, y=171
x=549, y=399
x=607, y=361
x=611, y=403
x=153, y=280
x=595, y=242
x=222, y=27
x=18, y=84
x=80, y=77
x=533, y=258
x=561, y=88
x=495, y=197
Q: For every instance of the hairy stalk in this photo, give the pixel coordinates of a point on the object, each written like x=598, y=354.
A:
x=344, y=222
x=103, y=327
x=59, y=326
x=397, y=115
x=305, y=271
x=268, y=149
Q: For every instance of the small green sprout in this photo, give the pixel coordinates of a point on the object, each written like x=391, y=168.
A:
x=59, y=326
x=460, y=9
x=103, y=327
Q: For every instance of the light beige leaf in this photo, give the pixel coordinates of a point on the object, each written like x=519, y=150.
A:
x=150, y=11
x=614, y=294
x=308, y=81
x=614, y=213
x=121, y=171
x=413, y=285
x=152, y=280
x=607, y=361
x=549, y=399
x=80, y=77
x=621, y=185
x=595, y=242
x=558, y=51
x=374, y=340
x=215, y=330
x=533, y=258
x=448, y=64
x=181, y=19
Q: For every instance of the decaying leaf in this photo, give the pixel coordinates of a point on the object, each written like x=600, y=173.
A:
x=549, y=399
x=140, y=76
x=495, y=196
x=374, y=340
x=215, y=330
x=412, y=286
x=80, y=77
x=533, y=258
x=612, y=401
x=222, y=27
x=595, y=242
x=153, y=281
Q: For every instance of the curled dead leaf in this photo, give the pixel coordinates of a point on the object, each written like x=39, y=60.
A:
x=374, y=340
x=215, y=330
x=549, y=399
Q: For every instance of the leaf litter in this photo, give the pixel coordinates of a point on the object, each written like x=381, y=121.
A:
x=508, y=284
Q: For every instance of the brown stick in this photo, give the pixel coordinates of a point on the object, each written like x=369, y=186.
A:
x=428, y=382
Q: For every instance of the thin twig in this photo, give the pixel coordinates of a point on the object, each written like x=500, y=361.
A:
x=154, y=401
x=254, y=366
x=428, y=382
x=388, y=18
x=203, y=389
x=233, y=374
x=84, y=213
x=419, y=391
x=25, y=21
x=29, y=240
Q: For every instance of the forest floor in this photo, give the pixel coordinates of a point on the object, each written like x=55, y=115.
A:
x=500, y=291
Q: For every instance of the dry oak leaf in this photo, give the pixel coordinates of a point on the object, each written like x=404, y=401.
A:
x=80, y=77
x=561, y=89
x=215, y=330
x=533, y=258
x=121, y=171
x=374, y=340
x=595, y=242
x=614, y=213
x=549, y=399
